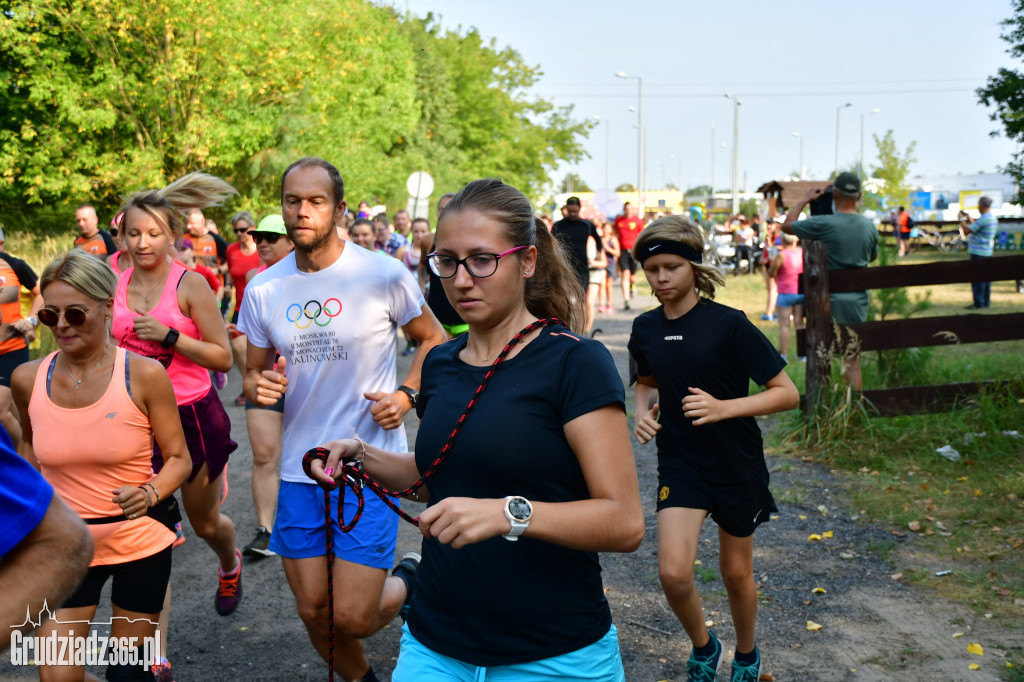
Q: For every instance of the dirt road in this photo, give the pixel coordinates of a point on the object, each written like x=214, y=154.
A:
x=872, y=627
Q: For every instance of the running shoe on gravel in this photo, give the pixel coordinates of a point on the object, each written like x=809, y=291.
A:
x=705, y=668
x=260, y=545
x=229, y=591
x=747, y=672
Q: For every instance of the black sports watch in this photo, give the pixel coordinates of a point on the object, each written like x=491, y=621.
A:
x=171, y=338
x=413, y=394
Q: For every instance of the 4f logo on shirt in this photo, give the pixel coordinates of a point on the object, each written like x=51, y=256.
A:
x=678, y=337
x=313, y=312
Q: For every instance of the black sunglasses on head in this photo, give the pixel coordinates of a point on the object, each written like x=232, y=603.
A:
x=74, y=315
x=268, y=237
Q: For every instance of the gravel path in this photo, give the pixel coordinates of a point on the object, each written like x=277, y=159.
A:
x=873, y=627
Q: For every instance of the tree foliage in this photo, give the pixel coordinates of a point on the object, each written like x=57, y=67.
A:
x=108, y=96
x=894, y=168
x=1005, y=91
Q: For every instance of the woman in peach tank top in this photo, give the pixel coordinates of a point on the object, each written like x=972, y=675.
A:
x=120, y=401
x=163, y=311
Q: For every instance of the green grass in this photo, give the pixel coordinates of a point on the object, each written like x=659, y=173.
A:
x=969, y=514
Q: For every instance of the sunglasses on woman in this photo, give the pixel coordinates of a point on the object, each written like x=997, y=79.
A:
x=268, y=237
x=242, y=230
x=73, y=315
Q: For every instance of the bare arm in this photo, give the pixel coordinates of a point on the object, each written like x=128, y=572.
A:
x=647, y=409
x=22, y=379
x=610, y=521
x=46, y=566
x=389, y=409
x=152, y=390
x=263, y=383
x=776, y=265
x=704, y=408
x=212, y=351
x=394, y=470
x=794, y=213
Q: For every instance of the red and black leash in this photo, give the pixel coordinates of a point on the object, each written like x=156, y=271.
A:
x=355, y=478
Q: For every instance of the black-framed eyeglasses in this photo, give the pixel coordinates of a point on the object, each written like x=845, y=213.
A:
x=268, y=237
x=74, y=315
x=241, y=230
x=478, y=265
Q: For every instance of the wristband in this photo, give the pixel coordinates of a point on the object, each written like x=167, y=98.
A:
x=156, y=492
x=171, y=338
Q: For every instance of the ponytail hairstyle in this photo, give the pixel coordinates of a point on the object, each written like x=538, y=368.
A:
x=552, y=290
x=682, y=229
x=167, y=206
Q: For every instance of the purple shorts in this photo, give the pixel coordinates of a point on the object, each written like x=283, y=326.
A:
x=207, y=434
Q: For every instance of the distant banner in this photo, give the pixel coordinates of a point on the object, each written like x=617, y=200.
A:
x=969, y=200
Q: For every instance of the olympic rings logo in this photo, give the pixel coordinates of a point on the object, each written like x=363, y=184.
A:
x=312, y=313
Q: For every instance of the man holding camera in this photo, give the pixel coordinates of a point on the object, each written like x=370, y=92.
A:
x=852, y=242
x=981, y=238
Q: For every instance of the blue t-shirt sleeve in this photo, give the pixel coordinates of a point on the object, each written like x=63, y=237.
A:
x=24, y=498
x=589, y=380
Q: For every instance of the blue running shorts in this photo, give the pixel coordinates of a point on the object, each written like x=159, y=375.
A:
x=599, y=662
x=299, y=528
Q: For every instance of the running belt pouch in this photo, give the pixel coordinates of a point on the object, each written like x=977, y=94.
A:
x=166, y=511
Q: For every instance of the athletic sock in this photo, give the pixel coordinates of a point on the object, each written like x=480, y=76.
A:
x=234, y=571
x=708, y=650
x=749, y=657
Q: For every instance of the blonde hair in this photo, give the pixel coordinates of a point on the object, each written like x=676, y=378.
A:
x=167, y=206
x=682, y=229
x=553, y=290
x=83, y=271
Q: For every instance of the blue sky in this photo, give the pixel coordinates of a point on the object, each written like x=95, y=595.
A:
x=791, y=63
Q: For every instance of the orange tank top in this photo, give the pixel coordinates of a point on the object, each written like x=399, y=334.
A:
x=85, y=471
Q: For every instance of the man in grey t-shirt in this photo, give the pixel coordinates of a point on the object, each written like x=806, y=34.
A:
x=852, y=242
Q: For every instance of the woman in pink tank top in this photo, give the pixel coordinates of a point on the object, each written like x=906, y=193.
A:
x=786, y=268
x=166, y=312
x=89, y=412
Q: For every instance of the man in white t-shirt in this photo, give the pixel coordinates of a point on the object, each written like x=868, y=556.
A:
x=331, y=310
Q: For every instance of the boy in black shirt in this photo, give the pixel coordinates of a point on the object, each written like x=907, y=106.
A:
x=694, y=361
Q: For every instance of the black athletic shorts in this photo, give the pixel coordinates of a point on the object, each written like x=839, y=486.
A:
x=626, y=262
x=9, y=362
x=139, y=585
x=737, y=508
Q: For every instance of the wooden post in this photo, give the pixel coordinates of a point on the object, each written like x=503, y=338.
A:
x=819, y=320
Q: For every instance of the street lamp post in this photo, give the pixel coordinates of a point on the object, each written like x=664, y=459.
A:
x=800, y=168
x=711, y=193
x=735, y=152
x=838, y=110
x=639, y=137
x=861, y=163
x=607, y=149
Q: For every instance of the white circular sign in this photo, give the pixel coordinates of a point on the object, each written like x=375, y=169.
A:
x=420, y=185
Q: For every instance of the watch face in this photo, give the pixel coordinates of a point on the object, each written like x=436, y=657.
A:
x=519, y=508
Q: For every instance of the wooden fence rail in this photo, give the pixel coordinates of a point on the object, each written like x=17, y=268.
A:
x=819, y=283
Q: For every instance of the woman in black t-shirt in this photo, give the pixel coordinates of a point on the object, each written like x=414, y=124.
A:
x=539, y=478
x=695, y=359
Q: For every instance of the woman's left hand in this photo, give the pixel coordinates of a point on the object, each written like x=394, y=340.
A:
x=461, y=521
x=703, y=408
x=132, y=500
x=149, y=328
